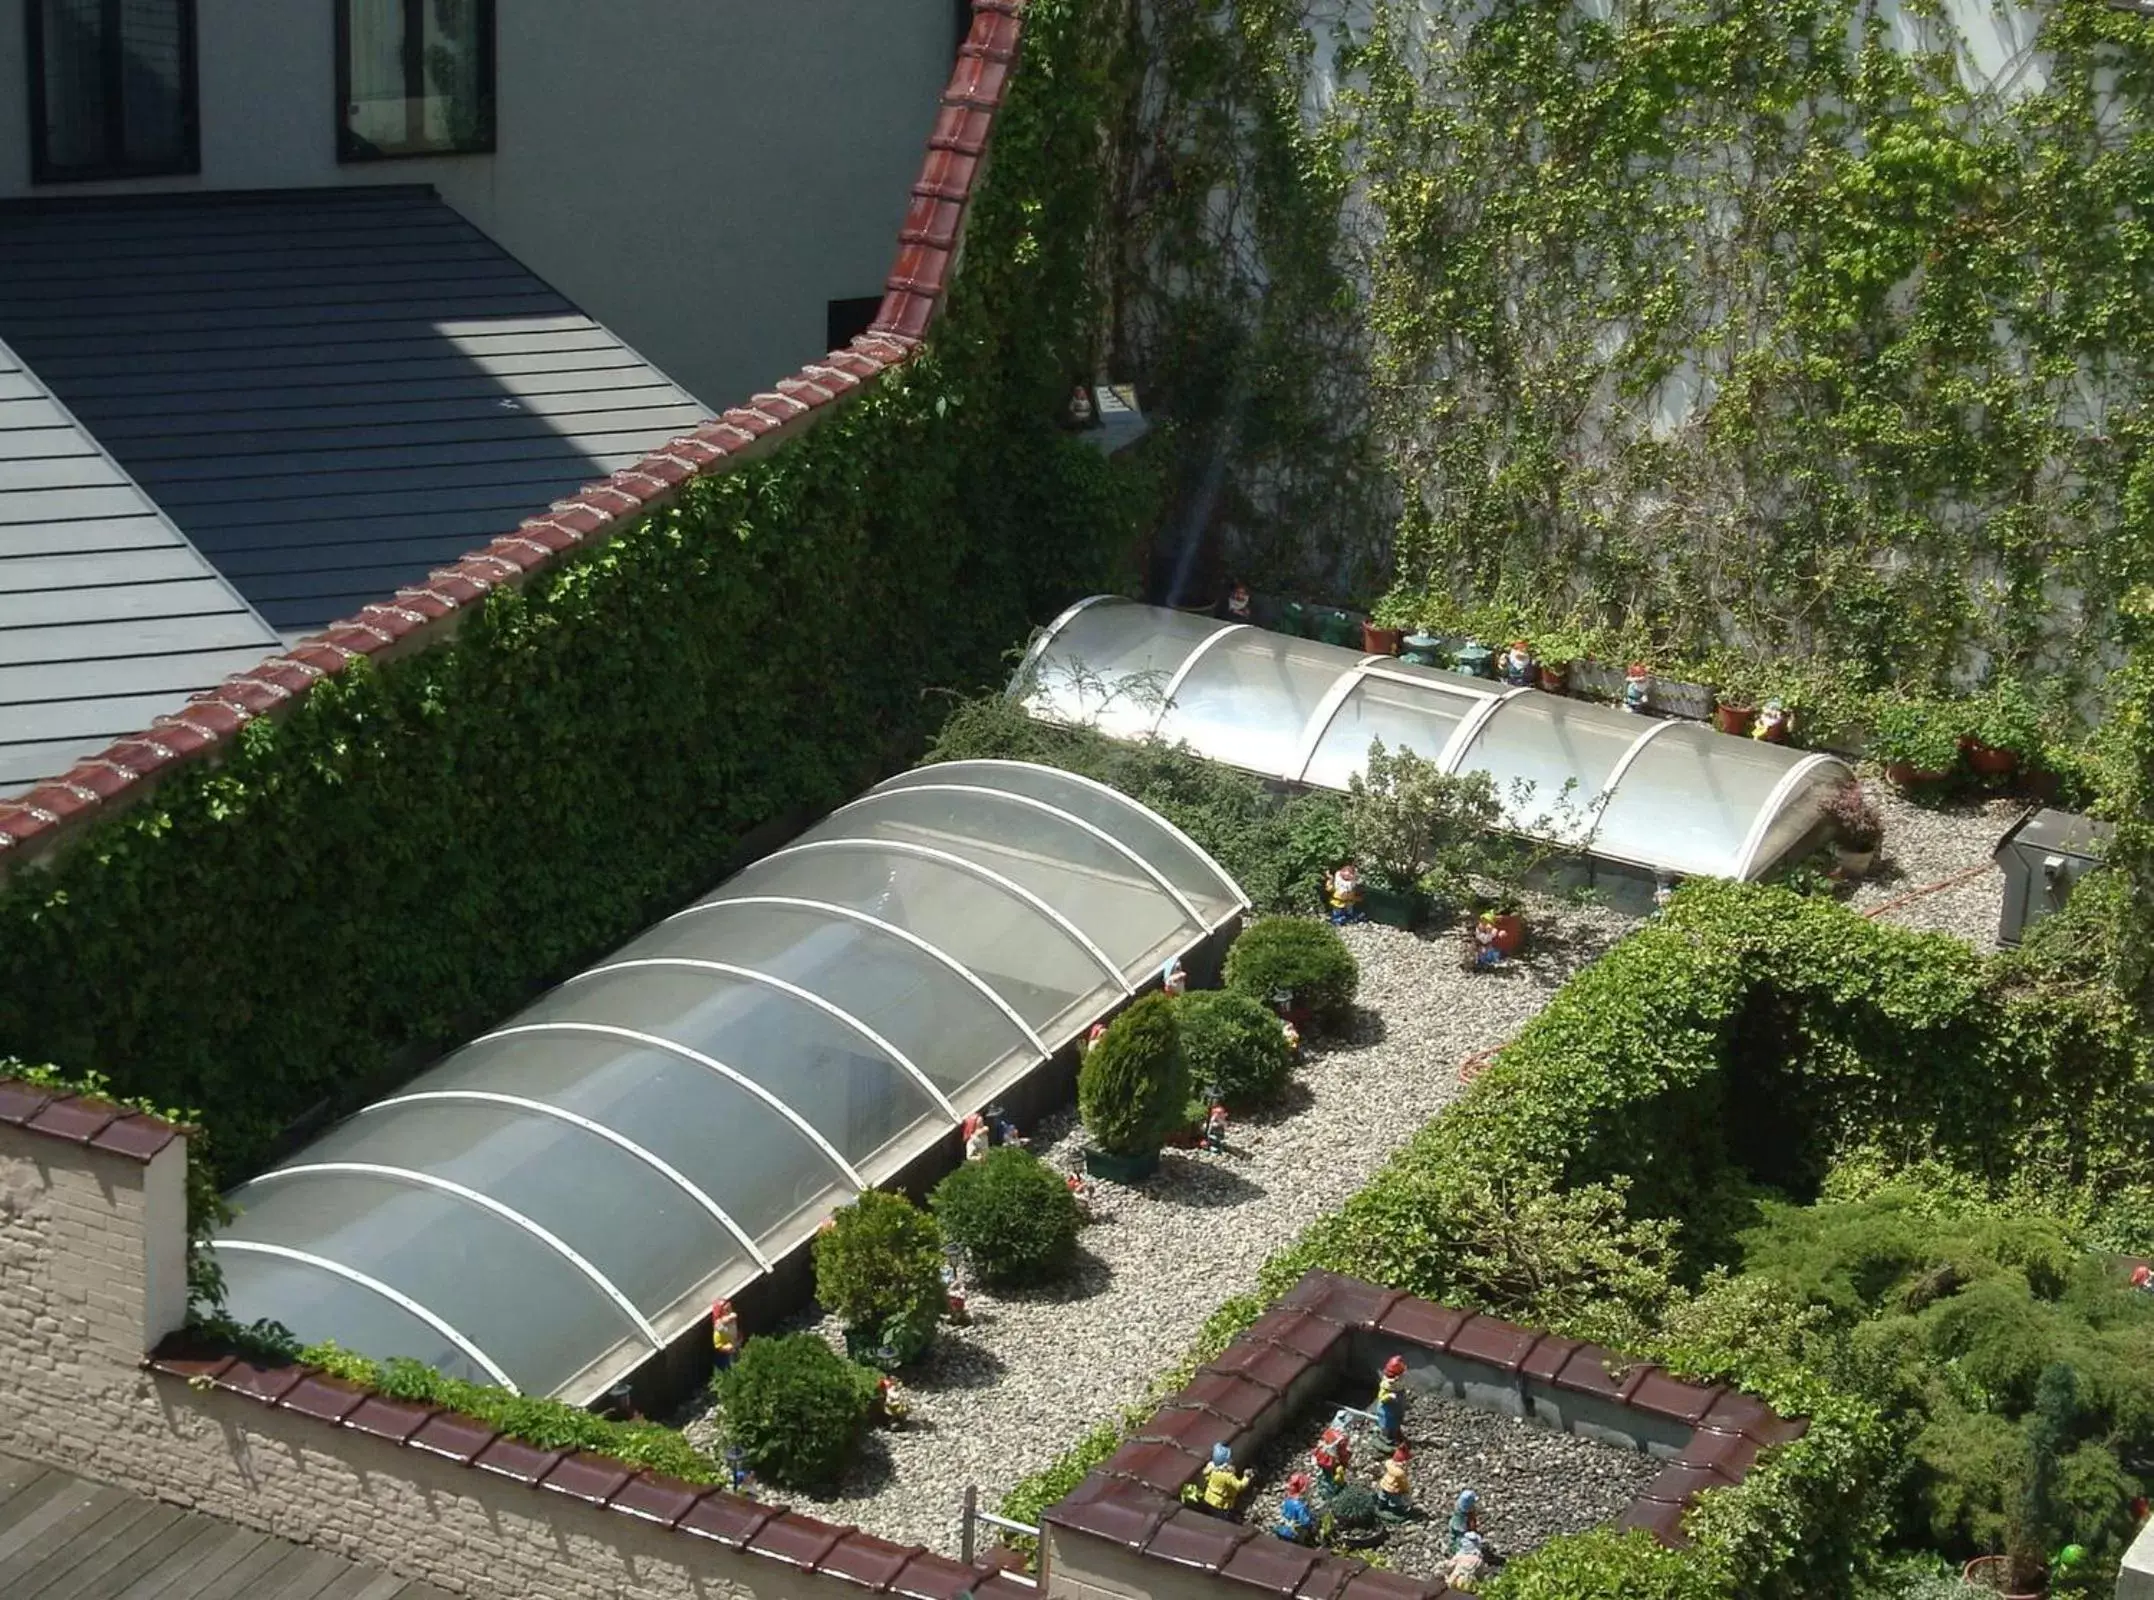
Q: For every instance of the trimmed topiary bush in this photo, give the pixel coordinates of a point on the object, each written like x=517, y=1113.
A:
x=878, y=1268
x=1133, y=1089
x=1236, y=1049
x=1297, y=956
x=1012, y=1215
x=794, y=1408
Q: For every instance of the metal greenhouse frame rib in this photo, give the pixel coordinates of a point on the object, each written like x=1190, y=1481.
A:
x=1670, y=797
x=553, y=1204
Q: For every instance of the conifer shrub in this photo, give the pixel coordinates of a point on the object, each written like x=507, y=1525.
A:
x=1299, y=957
x=1235, y=1046
x=794, y=1408
x=1133, y=1089
x=878, y=1268
x=1012, y=1215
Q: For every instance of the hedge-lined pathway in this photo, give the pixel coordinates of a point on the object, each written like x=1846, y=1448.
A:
x=1005, y=1396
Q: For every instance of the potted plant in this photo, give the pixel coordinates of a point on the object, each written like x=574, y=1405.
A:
x=1133, y=1091
x=878, y=1266
x=1417, y=829
x=1857, y=829
x=2036, y=1523
x=1735, y=697
x=1914, y=738
x=2004, y=728
x=1557, y=648
x=1383, y=631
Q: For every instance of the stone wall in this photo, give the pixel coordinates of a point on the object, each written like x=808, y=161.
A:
x=92, y=1256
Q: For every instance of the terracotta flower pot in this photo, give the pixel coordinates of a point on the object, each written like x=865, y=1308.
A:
x=1555, y=677
x=1510, y=933
x=1737, y=720
x=1987, y=760
x=1906, y=775
x=1993, y=1575
x=1377, y=641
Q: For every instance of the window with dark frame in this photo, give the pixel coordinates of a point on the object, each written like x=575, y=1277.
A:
x=112, y=89
x=414, y=78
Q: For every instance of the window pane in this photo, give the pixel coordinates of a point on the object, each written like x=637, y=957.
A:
x=374, y=108
x=418, y=77
x=449, y=75
x=74, y=52
x=153, y=68
x=118, y=91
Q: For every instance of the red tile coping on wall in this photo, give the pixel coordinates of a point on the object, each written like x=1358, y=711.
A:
x=1135, y=1498
x=49, y=815
x=85, y=1120
x=691, y=1510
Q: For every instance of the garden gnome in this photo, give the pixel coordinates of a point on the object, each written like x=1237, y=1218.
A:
x=1775, y=722
x=1466, y=1563
x=1394, y=1490
x=1342, y=893
x=725, y=1334
x=1080, y=1191
x=1293, y=1035
x=1238, y=603
x=1172, y=979
x=1215, y=1130
x=1486, y=952
x=1663, y=892
x=1001, y=1130
x=977, y=1138
x=1222, y=1484
x=1297, y=1523
x=892, y=1401
x=1520, y=670
x=1334, y=1453
x=953, y=1295
x=1637, y=686
x=1093, y=1038
x=1391, y=1401
x=2143, y=1278
x=1465, y=1520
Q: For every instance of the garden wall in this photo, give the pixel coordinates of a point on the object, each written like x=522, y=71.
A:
x=92, y=1251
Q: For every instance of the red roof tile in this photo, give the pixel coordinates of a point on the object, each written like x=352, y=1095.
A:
x=76, y=1121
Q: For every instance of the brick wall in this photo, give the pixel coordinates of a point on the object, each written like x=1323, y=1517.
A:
x=91, y=1240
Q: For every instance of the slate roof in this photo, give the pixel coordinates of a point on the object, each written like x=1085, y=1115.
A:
x=108, y=616
x=329, y=390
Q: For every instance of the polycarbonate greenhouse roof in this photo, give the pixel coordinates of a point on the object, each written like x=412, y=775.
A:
x=1675, y=797
x=551, y=1204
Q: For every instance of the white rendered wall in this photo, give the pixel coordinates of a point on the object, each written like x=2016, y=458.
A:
x=702, y=176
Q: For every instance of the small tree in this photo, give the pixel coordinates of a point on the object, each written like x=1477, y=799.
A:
x=1297, y=956
x=1236, y=1049
x=2036, y=1525
x=794, y=1408
x=878, y=1268
x=1012, y=1215
x=1133, y=1089
x=1416, y=826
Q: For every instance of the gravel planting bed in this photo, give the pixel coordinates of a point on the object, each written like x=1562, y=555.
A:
x=1004, y=1396
x=1930, y=844
x=1532, y=1482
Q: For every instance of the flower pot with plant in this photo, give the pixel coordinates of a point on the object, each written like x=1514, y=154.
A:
x=1857, y=829
x=1557, y=648
x=1735, y=697
x=878, y=1266
x=1915, y=739
x=1384, y=630
x=1133, y=1090
x=2004, y=729
x=1418, y=829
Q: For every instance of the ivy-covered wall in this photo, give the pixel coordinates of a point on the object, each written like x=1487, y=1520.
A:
x=1808, y=324
x=414, y=850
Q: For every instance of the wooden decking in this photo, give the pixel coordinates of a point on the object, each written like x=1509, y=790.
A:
x=65, y=1538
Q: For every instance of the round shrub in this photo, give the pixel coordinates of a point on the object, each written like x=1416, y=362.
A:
x=794, y=1407
x=878, y=1267
x=1133, y=1089
x=1012, y=1215
x=1236, y=1049
x=1299, y=956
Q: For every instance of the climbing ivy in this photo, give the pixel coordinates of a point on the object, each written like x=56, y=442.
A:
x=1811, y=327
x=417, y=849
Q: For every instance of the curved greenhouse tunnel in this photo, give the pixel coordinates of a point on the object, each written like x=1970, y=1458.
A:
x=554, y=1206
x=1646, y=796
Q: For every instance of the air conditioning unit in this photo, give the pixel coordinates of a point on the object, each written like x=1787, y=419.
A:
x=2043, y=856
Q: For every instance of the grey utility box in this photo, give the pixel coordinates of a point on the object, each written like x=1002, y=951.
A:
x=2042, y=857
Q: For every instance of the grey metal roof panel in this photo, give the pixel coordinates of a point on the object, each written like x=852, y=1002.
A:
x=108, y=616
x=332, y=391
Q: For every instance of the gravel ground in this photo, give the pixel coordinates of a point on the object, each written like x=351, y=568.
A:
x=1532, y=1482
x=1928, y=844
x=1004, y=1396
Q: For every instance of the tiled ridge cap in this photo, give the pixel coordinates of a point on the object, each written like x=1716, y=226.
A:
x=84, y=1119
x=1135, y=1497
x=775, y=1532
x=43, y=818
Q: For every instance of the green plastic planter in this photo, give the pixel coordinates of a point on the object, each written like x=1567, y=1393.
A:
x=1121, y=1169
x=1394, y=908
x=1336, y=627
x=1294, y=619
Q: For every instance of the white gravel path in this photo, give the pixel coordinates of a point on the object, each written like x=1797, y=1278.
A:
x=1004, y=1396
x=1928, y=844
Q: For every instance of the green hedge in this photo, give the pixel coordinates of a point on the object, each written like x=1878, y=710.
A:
x=1594, y=1179
x=417, y=850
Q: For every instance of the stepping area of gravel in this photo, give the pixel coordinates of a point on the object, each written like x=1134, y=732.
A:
x=1004, y=1397
x=1950, y=845
x=1531, y=1482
